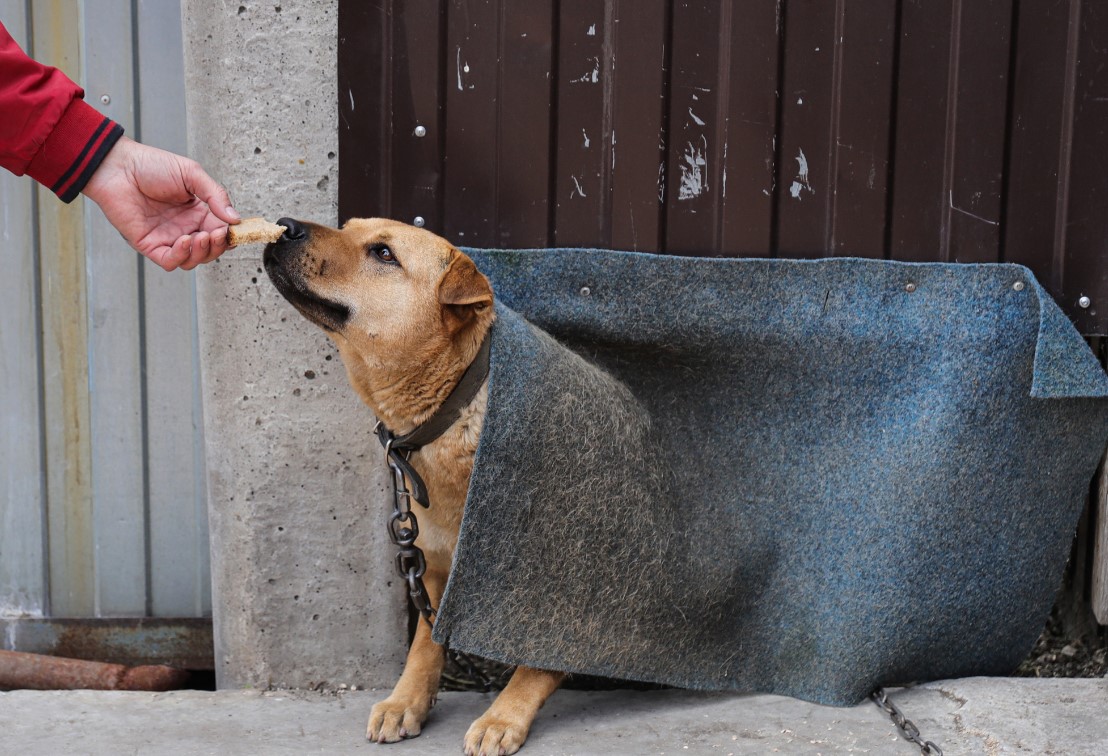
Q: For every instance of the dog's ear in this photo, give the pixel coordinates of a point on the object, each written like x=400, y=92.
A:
x=463, y=291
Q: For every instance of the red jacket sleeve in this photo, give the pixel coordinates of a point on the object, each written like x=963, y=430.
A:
x=47, y=130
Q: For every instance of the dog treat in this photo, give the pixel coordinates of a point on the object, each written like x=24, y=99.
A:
x=253, y=230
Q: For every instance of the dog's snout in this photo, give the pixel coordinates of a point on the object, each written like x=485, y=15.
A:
x=293, y=230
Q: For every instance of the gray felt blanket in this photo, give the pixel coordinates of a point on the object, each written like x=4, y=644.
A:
x=799, y=477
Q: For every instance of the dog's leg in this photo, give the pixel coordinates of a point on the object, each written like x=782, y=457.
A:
x=503, y=728
x=403, y=713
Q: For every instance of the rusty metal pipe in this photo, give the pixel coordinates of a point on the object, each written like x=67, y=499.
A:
x=19, y=670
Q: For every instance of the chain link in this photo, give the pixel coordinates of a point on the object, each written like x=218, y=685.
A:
x=905, y=725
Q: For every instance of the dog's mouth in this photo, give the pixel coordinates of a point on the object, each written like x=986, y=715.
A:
x=325, y=313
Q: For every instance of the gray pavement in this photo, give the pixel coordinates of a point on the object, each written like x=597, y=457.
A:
x=972, y=716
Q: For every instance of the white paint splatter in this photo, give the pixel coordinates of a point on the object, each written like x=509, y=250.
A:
x=613, y=149
x=592, y=31
x=577, y=188
x=695, y=118
x=725, y=170
x=461, y=88
x=586, y=138
x=17, y=604
x=801, y=182
x=694, y=170
x=800, y=101
x=590, y=77
x=351, y=93
x=661, y=182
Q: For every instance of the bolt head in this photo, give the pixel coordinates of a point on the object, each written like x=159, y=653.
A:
x=909, y=287
x=1084, y=303
x=585, y=291
x=1018, y=286
x=419, y=221
x=420, y=131
x=106, y=99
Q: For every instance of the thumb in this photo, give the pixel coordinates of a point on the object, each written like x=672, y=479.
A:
x=200, y=184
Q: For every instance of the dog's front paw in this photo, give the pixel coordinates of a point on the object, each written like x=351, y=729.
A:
x=396, y=718
x=493, y=735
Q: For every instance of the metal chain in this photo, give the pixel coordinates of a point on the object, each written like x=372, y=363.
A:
x=403, y=530
x=905, y=725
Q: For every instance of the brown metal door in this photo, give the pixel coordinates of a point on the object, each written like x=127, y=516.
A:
x=925, y=130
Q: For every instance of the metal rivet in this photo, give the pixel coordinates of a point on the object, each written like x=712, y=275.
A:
x=1084, y=303
x=909, y=287
x=106, y=99
x=585, y=291
x=420, y=131
x=419, y=221
x=1018, y=286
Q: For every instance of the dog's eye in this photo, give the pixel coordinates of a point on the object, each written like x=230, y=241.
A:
x=383, y=253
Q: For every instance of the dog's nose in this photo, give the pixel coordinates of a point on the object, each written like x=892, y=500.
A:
x=293, y=230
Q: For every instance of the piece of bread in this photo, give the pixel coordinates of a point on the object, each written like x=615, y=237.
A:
x=253, y=230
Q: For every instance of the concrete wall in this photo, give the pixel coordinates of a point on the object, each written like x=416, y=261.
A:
x=301, y=569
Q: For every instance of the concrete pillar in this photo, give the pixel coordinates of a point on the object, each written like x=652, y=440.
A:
x=302, y=582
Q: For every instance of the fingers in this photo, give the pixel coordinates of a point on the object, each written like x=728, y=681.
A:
x=200, y=184
x=200, y=249
x=219, y=232
x=191, y=250
x=219, y=242
x=204, y=247
x=171, y=257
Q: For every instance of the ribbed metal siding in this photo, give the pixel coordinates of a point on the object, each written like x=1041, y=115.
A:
x=102, y=493
x=953, y=130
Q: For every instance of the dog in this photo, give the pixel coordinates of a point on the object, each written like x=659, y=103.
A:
x=409, y=313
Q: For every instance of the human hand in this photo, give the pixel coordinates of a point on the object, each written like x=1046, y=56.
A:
x=164, y=205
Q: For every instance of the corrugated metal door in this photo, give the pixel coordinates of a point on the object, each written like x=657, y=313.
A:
x=102, y=491
x=953, y=130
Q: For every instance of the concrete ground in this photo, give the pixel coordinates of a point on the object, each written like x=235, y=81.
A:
x=973, y=716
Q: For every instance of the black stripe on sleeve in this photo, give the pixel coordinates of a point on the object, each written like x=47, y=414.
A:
x=108, y=142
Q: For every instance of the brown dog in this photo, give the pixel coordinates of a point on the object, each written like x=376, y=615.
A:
x=409, y=313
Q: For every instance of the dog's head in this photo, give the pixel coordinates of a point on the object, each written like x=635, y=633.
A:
x=380, y=288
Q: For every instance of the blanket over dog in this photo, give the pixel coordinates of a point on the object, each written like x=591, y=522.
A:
x=808, y=478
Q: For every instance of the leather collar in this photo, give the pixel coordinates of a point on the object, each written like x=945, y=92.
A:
x=397, y=448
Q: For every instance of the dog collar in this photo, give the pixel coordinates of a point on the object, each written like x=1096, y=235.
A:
x=397, y=448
